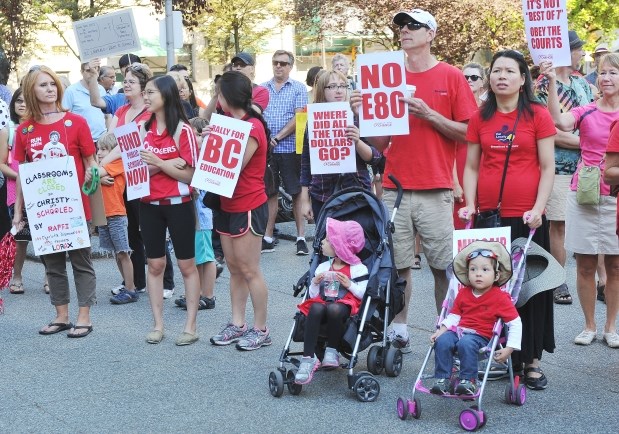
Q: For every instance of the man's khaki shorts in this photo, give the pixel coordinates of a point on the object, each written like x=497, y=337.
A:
x=429, y=213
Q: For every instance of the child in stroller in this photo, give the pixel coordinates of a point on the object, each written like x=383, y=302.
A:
x=483, y=267
x=336, y=293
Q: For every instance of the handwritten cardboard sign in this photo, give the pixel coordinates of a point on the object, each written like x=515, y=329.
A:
x=219, y=166
x=329, y=149
x=53, y=201
x=545, y=23
x=136, y=170
x=105, y=35
x=382, y=81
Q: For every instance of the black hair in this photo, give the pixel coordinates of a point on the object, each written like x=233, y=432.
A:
x=236, y=89
x=178, y=67
x=172, y=107
x=192, y=98
x=312, y=75
x=12, y=112
x=526, y=97
x=128, y=59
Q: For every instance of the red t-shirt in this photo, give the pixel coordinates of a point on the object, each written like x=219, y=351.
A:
x=163, y=186
x=613, y=146
x=480, y=313
x=140, y=119
x=423, y=159
x=35, y=141
x=249, y=192
x=461, y=151
x=523, y=171
x=259, y=96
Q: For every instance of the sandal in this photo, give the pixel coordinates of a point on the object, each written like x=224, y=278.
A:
x=535, y=383
x=16, y=288
x=46, y=288
x=600, y=295
x=562, y=295
x=416, y=262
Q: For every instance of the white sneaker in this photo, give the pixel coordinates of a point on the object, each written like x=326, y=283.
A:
x=168, y=293
x=116, y=290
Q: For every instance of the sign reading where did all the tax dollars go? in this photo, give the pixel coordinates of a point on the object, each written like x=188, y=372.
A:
x=330, y=150
x=136, y=170
x=545, y=23
x=382, y=82
x=219, y=166
x=105, y=35
x=53, y=202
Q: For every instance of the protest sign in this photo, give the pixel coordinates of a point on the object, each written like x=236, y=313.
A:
x=382, y=81
x=219, y=166
x=330, y=150
x=545, y=23
x=53, y=202
x=108, y=34
x=136, y=170
x=300, y=125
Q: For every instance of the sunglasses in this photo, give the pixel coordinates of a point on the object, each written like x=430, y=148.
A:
x=412, y=25
x=279, y=63
x=242, y=65
x=484, y=253
x=473, y=77
x=136, y=67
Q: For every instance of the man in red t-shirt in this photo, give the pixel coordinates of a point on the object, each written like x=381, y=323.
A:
x=423, y=160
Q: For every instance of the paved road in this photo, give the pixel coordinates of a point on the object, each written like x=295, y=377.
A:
x=113, y=381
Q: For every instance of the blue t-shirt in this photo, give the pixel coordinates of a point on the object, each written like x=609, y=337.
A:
x=114, y=102
x=205, y=215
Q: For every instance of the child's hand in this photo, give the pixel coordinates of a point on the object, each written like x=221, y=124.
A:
x=107, y=180
x=318, y=278
x=502, y=355
x=343, y=279
x=437, y=333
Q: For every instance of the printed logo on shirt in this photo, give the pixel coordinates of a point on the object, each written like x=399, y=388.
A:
x=163, y=151
x=503, y=135
x=441, y=92
x=52, y=149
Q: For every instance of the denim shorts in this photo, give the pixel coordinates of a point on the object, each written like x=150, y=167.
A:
x=114, y=236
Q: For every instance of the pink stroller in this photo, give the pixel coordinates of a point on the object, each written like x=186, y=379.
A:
x=515, y=393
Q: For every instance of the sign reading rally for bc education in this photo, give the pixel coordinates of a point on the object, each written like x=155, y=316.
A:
x=330, y=150
x=219, y=166
x=136, y=170
x=108, y=34
x=53, y=202
x=545, y=23
x=382, y=81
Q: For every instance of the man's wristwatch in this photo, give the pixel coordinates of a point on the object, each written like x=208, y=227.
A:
x=276, y=140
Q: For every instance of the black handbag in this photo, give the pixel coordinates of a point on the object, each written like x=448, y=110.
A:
x=212, y=201
x=492, y=218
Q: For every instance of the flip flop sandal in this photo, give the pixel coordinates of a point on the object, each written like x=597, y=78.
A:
x=80, y=335
x=60, y=327
x=416, y=263
x=562, y=295
x=16, y=288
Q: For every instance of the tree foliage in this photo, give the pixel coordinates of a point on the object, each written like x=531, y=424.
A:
x=594, y=20
x=18, y=22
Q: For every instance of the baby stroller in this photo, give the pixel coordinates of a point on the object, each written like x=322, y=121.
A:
x=515, y=393
x=382, y=300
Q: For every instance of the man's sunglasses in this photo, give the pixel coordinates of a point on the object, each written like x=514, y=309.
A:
x=280, y=63
x=412, y=25
x=473, y=77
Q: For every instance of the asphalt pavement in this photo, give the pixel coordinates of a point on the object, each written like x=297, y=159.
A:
x=113, y=381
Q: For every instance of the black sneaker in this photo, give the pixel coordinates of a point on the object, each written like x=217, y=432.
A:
x=267, y=247
x=466, y=387
x=440, y=387
x=301, y=248
x=206, y=303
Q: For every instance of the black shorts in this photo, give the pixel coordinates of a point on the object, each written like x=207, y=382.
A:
x=179, y=219
x=270, y=188
x=236, y=224
x=288, y=166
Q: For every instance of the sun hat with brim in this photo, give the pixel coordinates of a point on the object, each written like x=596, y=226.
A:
x=504, y=261
x=347, y=239
x=542, y=272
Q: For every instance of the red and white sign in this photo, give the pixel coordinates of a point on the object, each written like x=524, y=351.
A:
x=329, y=149
x=545, y=23
x=219, y=166
x=382, y=81
x=136, y=170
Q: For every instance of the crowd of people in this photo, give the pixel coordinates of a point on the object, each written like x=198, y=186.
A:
x=483, y=142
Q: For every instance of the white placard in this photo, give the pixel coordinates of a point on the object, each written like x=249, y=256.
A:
x=221, y=157
x=382, y=81
x=464, y=237
x=136, y=170
x=53, y=202
x=330, y=150
x=105, y=35
x=545, y=23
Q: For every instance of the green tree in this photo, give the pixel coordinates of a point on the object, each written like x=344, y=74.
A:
x=594, y=20
x=18, y=22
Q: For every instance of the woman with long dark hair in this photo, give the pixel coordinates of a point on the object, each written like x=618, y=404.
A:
x=171, y=154
x=242, y=221
x=512, y=113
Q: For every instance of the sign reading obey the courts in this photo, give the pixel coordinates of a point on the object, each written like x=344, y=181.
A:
x=219, y=166
x=545, y=23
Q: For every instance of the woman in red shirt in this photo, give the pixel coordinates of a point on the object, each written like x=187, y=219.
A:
x=242, y=221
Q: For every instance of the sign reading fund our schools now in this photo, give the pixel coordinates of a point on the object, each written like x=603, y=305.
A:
x=330, y=150
x=136, y=170
x=382, y=81
x=53, y=202
x=219, y=166
x=545, y=23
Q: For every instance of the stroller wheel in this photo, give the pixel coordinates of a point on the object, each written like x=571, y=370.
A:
x=469, y=419
x=366, y=388
x=393, y=362
x=508, y=393
x=414, y=408
x=276, y=383
x=375, y=360
x=483, y=418
x=293, y=387
x=402, y=408
x=521, y=395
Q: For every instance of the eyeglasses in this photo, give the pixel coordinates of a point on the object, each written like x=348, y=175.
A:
x=242, y=65
x=473, y=77
x=337, y=86
x=485, y=253
x=149, y=92
x=130, y=82
x=412, y=25
x=20, y=101
x=280, y=63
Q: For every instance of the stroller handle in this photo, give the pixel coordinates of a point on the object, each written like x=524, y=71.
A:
x=399, y=189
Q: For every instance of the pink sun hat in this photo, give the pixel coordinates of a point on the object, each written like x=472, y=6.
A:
x=347, y=239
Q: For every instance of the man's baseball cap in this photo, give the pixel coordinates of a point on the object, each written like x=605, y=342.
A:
x=601, y=49
x=418, y=15
x=575, y=41
x=244, y=57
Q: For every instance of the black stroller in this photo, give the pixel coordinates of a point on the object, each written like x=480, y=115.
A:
x=383, y=299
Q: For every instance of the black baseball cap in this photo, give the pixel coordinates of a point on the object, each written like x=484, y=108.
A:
x=244, y=57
